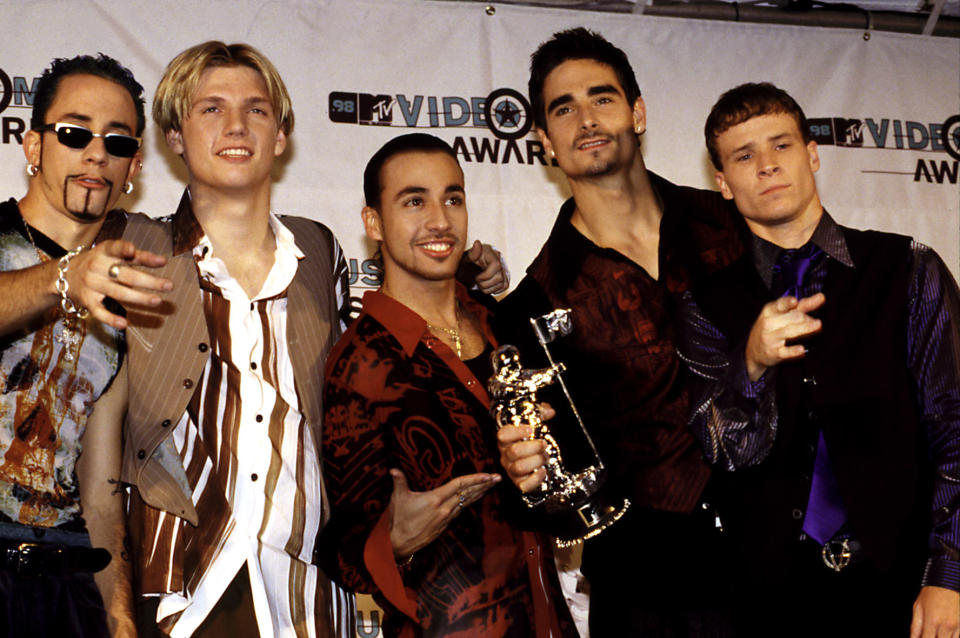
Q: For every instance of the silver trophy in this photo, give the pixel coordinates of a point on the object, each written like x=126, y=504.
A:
x=574, y=502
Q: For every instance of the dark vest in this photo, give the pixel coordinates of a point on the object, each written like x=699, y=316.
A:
x=854, y=385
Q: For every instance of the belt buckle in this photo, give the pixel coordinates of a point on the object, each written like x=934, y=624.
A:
x=836, y=554
x=27, y=559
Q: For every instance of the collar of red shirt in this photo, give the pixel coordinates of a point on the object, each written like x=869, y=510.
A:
x=407, y=327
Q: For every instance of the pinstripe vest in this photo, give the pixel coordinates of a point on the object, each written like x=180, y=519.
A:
x=168, y=347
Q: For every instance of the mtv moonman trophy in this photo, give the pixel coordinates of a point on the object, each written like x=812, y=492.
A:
x=574, y=502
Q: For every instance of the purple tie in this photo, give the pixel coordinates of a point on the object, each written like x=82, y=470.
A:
x=792, y=267
x=825, y=513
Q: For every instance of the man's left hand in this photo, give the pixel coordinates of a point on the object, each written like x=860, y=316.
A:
x=936, y=614
x=493, y=277
x=416, y=518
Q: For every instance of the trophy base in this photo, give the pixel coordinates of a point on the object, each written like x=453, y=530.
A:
x=587, y=519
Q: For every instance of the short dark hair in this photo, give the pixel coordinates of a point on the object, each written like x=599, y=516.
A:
x=409, y=143
x=101, y=66
x=747, y=101
x=576, y=44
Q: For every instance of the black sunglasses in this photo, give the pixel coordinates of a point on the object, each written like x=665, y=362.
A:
x=75, y=136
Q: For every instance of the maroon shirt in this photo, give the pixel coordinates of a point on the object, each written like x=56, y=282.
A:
x=398, y=397
x=622, y=368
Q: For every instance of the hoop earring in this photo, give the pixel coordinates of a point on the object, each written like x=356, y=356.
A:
x=128, y=188
x=32, y=169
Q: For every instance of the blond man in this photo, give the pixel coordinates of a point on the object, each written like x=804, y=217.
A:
x=223, y=420
x=222, y=446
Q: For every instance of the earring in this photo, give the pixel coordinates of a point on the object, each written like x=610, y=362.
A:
x=128, y=188
x=32, y=169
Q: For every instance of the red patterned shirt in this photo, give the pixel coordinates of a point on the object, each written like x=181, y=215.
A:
x=398, y=397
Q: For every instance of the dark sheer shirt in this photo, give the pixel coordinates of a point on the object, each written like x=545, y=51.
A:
x=622, y=367
x=736, y=418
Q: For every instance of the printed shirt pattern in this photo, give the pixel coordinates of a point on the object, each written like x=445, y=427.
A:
x=46, y=397
x=398, y=397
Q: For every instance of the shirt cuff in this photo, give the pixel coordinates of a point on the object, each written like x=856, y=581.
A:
x=382, y=565
x=740, y=380
x=942, y=572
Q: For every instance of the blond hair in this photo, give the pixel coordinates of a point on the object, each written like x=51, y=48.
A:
x=175, y=92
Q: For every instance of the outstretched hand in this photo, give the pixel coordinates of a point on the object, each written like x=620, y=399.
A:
x=780, y=321
x=417, y=518
x=90, y=280
x=493, y=278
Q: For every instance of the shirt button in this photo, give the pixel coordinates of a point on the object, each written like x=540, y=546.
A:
x=141, y=454
x=530, y=551
x=203, y=347
x=259, y=418
x=797, y=513
x=253, y=365
x=251, y=306
x=165, y=423
x=254, y=477
x=187, y=383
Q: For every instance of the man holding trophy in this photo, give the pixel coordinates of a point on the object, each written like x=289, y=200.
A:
x=620, y=252
x=418, y=518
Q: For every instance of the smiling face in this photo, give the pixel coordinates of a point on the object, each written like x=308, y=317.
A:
x=591, y=127
x=421, y=223
x=229, y=137
x=768, y=171
x=82, y=184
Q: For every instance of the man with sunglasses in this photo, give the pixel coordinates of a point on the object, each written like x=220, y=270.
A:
x=62, y=265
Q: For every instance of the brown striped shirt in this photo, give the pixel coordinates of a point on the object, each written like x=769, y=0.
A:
x=251, y=463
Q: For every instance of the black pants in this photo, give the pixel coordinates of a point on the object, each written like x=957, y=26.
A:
x=659, y=575
x=51, y=606
x=806, y=598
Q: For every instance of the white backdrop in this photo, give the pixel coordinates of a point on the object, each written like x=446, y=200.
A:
x=877, y=102
x=897, y=88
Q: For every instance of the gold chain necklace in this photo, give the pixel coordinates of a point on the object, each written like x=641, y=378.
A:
x=453, y=333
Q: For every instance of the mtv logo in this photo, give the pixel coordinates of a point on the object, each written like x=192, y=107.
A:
x=376, y=110
x=848, y=132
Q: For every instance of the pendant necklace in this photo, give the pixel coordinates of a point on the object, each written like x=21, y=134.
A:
x=453, y=333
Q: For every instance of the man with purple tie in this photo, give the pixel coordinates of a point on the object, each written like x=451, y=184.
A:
x=826, y=382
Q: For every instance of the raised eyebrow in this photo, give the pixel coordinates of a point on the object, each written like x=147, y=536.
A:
x=455, y=189
x=740, y=149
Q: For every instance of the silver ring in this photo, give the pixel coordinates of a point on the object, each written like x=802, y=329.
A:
x=461, y=500
x=114, y=271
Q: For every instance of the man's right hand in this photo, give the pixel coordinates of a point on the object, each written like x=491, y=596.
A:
x=522, y=457
x=780, y=321
x=90, y=282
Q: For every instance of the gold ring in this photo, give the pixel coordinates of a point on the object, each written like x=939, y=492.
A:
x=114, y=271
